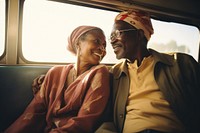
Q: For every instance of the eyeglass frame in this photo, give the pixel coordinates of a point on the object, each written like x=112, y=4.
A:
x=118, y=33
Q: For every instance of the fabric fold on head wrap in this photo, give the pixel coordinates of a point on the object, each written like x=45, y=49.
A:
x=76, y=34
x=138, y=19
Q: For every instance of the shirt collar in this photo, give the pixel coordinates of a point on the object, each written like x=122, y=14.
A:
x=121, y=68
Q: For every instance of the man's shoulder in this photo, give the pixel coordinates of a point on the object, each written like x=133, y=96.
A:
x=119, y=68
x=173, y=57
x=182, y=57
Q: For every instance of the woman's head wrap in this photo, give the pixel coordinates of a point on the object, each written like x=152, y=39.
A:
x=138, y=19
x=75, y=35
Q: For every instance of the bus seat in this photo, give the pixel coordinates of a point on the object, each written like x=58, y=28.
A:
x=15, y=91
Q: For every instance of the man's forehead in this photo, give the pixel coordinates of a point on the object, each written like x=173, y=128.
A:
x=123, y=25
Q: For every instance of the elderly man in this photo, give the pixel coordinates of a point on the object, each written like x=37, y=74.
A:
x=152, y=92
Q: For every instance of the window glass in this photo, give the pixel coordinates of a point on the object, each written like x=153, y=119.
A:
x=2, y=26
x=47, y=25
x=173, y=37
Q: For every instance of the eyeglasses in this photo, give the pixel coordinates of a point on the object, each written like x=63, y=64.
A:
x=116, y=34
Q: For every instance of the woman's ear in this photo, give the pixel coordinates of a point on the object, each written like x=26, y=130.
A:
x=78, y=49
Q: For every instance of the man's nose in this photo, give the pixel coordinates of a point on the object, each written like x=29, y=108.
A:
x=113, y=40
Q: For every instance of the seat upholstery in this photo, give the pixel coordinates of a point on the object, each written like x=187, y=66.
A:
x=15, y=90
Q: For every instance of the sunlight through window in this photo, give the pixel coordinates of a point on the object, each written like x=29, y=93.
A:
x=47, y=25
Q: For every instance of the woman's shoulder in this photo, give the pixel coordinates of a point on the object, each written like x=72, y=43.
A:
x=59, y=68
x=100, y=67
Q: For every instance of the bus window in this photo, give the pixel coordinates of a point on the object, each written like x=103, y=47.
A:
x=173, y=37
x=47, y=24
x=2, y=26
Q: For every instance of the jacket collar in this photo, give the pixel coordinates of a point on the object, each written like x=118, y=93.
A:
x=119, y=69
x=167, y=59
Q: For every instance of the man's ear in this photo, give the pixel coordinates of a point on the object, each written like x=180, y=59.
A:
x=141, y=33
x=142, y=37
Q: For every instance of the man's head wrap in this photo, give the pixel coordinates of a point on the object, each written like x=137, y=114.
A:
x=76, y=34
x=138, y=19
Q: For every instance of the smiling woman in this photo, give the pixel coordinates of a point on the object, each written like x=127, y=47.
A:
x=69, y=98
